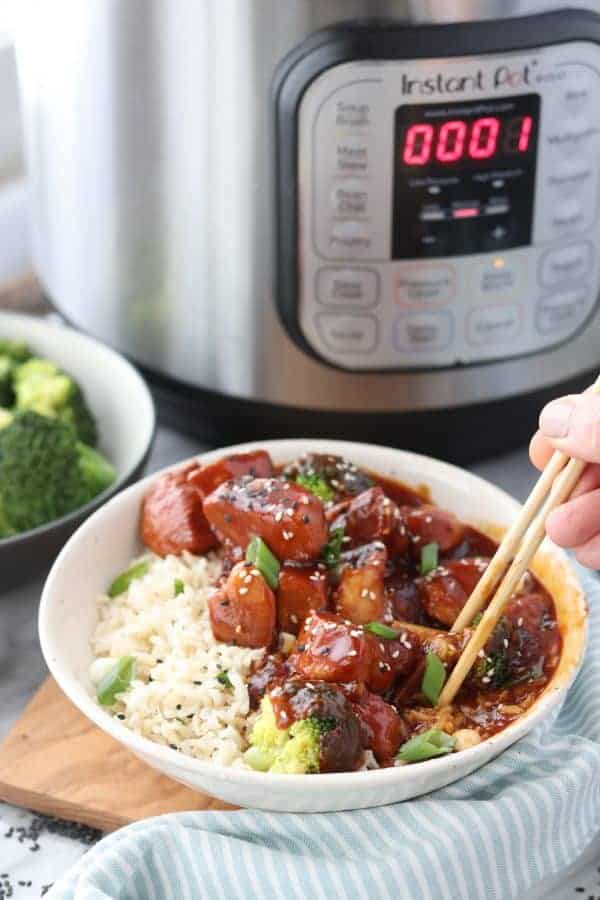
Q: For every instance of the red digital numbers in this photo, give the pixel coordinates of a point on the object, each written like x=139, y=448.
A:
x=456, y=139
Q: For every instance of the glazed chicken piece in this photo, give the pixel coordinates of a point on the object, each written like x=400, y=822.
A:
x=172, y=517
x=301, y=590
x=523, y=643
x=360, y=593
x=265, y=675
x=287, y=517
x=445, y=591
x=342, y=478
x=330, y=648
x=430, y=525
x=244, y=612
x=382, y=729
x=403, y=599
x=371, y=516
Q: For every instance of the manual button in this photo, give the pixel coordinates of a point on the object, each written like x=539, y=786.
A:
x=347, y=287
x=493, y=324
x=348, y=333
x=565, y=264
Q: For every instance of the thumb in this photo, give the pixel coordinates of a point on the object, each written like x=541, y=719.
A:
x=573, y=425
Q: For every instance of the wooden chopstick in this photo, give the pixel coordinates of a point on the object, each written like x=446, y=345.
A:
x=510, y=542
x=534, y=535
x=520, y=544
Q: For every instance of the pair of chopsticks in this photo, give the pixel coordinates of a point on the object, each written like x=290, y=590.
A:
x=512, y=559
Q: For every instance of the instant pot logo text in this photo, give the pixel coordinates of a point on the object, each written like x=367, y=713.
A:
x=503, y=76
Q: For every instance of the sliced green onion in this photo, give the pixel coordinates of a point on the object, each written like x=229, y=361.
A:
x=426, y=745
x=382, y=631
x=434, y=678
x=224, y=679
x=332, y=551
x=267, y=564
x=429, y=558
x=178, y=587
x=116, y=680
x=122, y=581
x=316, y=485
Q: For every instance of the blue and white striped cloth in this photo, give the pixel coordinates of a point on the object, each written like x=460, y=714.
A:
x=491, y=836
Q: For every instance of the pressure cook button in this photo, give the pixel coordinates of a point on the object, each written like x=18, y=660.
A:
x=352, y=156
x=493, y=324
x=422, y=332
x=570, y=176
x=565, y=264
x=350, y=198
x=417, y=284
x=575, y=137
x=350, y=236
x=347, y=287
x=348, y=333
x=562, y=312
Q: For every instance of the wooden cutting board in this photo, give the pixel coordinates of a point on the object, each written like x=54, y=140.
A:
x=54, y=761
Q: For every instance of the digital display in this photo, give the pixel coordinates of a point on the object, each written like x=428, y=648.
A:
x=464, y=176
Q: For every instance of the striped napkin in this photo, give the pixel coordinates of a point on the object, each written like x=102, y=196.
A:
x=491, y=836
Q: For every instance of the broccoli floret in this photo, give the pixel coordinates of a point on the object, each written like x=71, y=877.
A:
x=45, y=472
x=41, y=387
x=329, y=477
x=7, y=395
x=325, y=736
x=6, y=417
x=494, y=670
x=17, y=351
x=292, y=751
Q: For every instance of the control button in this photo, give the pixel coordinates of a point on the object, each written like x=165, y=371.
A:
x=500, y=275
x=567, y=216
x=347, y=287
x=420, y=332
x=569, y=177
x=575, y=136
x=352, y=156
x=353, y=236
x=562, y=312
x=493, y=324
x=425, y=284
x=350, y=198
x=497, y=235
x=579, y=90
x=348, y=333
x=565, y=264
x=353, y=114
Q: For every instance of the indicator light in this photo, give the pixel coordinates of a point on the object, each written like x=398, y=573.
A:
x=465, y=212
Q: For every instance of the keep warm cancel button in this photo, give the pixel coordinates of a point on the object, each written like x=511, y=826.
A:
x=493, y=324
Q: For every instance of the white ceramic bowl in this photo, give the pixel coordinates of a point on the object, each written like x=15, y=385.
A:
x=122, y=405
x=109, y=539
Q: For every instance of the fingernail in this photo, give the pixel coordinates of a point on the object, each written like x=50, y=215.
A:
x=555, y=419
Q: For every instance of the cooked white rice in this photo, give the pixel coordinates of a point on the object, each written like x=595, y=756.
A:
x=175, y=698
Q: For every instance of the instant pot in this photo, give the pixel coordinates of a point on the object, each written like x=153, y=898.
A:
x=375, y=220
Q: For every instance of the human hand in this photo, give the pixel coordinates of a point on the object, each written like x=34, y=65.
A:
x=572, y=424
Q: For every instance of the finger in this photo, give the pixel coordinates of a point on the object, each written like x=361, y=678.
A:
x=589, y=553
x=573, y=425
x=540, y=450
x=576, y=522
x=589, y=481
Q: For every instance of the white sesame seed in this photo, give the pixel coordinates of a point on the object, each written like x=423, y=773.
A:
x=519, y=622
x=352, y=652
x=243, y=590
x=294, y=619
x=279, y=515
x=289, y=511
x=364, y=592
x=238, y=629
x=481, y=653
x=505, y=642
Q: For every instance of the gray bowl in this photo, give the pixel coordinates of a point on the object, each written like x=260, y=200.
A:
x=124, y=411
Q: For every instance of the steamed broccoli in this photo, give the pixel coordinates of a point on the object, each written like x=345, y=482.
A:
x=6, y=381
x=41, y=387
x=325, y=736
x=293, y=750
x=6, y=417
x=17, y=351
x=45, y=472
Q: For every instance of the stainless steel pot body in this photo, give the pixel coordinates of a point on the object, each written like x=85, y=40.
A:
x=149, y=140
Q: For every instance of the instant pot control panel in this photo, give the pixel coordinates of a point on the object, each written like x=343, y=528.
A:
x=446, y=210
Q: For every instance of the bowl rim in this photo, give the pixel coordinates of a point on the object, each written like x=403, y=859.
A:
x=99, y=499
x=171, y=759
